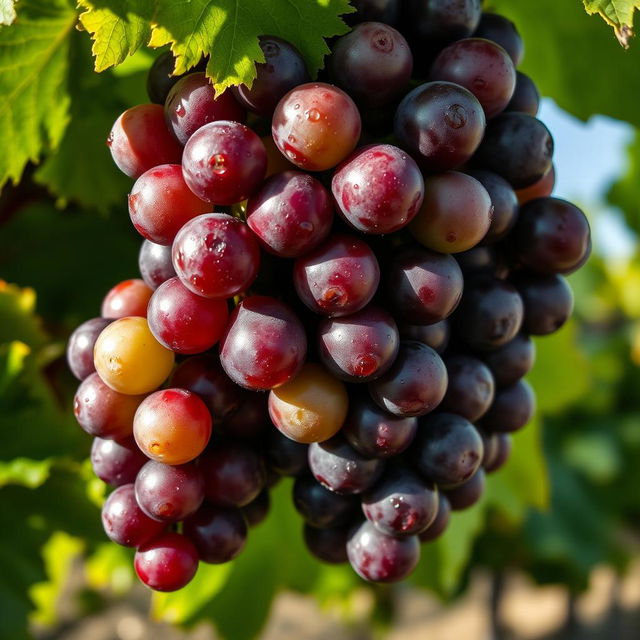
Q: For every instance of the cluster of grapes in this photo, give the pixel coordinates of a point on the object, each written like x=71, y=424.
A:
x=339, y=349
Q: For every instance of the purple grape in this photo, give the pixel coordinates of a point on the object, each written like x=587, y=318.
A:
x=467, y=494
x=548, y=303
x=434, y=335
x=159, y=78
x=511, y=361
x=439, y=525
x=526, y=97
x=502, y=31
x=285, y=456
x=512, y=408
x=251, y=419
x=328, y=545
x=471, y=387
x=80, y=347
x=483, y=260
x=258, y=509
x=321, y=507
x=386, y=11
x=154, y=263
x=501, y=450
x=116, y=462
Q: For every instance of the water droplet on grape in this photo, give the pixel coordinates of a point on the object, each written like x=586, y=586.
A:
x=114, y=364
x=365, y=365
x=313, y=115
x=218, y=163
x=214, y=244
x=180, y=110
x=110, y=139
x=296, y=105
x=291, y=138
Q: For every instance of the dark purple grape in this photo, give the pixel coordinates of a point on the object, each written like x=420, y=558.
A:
x=340, y=468
x=375, y=433
x=291, y=214
x=551, y=236
x=441, y=124
x=251, y=419
x=377, y=557
x=548, y=303
x=511, y=361
x=328, y=545
x=501, y=450
x=504, y=201
x=401, y=503
x=159, y=78
x=516, y=146
x=218, y=534
x=471, y=387
x=285, y=456
x=439, y=525
x=526, y=98
x=415, y=384
x=386, y=11
x=467, y=494
x=483, y=260
x=169, y=492
x=116, y=462
x=501, y=30
x=80, y=347
x=124, y=522
x=282, y=70
x=448, y=449
x=512, y=408
x=373, y=63
x=258, y=509
x=359, y=347
x=434, y=335
x=233, y=474
x=424, y=287
x=154, y=263
x=490, y=313
x=321, y=507
x=337, y=278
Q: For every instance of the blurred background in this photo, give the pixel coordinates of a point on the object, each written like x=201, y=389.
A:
x=553, y=549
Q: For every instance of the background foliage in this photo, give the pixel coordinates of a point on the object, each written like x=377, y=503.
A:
x=557, y=509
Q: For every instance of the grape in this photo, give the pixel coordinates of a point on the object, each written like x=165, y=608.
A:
x=81, y=344
x=124, y=522
x=503, y=200
x=340, y=468
x=387, y=11
x=172, y=426
x=455, y=215
x=154, y=263
x=103, y=412
x=375, y=433
x=378, y=189
x=291, y=214
x=184, y=322
x=415, y=384
x=129, y=359
x=401, y=503
x=548, y=303
x=337, y=278
x=285, y=456
x=218, y=534
x=467, y=494
x=139, y=140
x=320, y=507
x=448, y=449
x=471, y=387
x=516, y=146
x=282, y=70
x=490, y=313
x=204, y=376
x=377, y=557
x=551, y=236
x=258, y=509
x=512, y=408
x=526, y=98
x=127, y=298
x=192, y=103
x=439, y=525
x=502, y=451
x=441, y=124
x=373, y=63
x=116, y=462
x=434, y=335
x=160, y=203
x=169, y=493
x=251, y=419
x=424, y=287
x=316, y=126
x=264, y=345
x=511, y=361
x=276, y=162
x=501, y=30
x=481, y=66
x=359, y=347
x=159, y=78
x=311, y=407
x=484, y=260
x=328, y=545
x=216, y=256
x=234, y=475
x=540, y=189
x=167, y=563
x=224, y=162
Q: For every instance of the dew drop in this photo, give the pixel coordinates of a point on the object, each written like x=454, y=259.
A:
x=313, y=115
x=217, y=162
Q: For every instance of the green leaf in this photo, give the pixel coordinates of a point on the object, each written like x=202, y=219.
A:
x=34, y=104
x=617, y=14
x=110, y=567
x=7, y=12
x=19, y=323
x=118, y=28
x=625, y=192
x=24, y=471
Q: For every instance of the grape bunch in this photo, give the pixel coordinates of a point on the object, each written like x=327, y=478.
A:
x=339, y=283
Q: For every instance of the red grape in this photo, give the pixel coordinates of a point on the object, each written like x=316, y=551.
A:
x=128, y=298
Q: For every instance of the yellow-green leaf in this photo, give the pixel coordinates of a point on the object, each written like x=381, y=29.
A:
x=7, y=12
x=617, y=14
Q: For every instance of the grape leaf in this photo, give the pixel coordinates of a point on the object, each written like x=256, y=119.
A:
x=7, y=12
x=34, y=104
x=617, y=14
x=624, y=192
